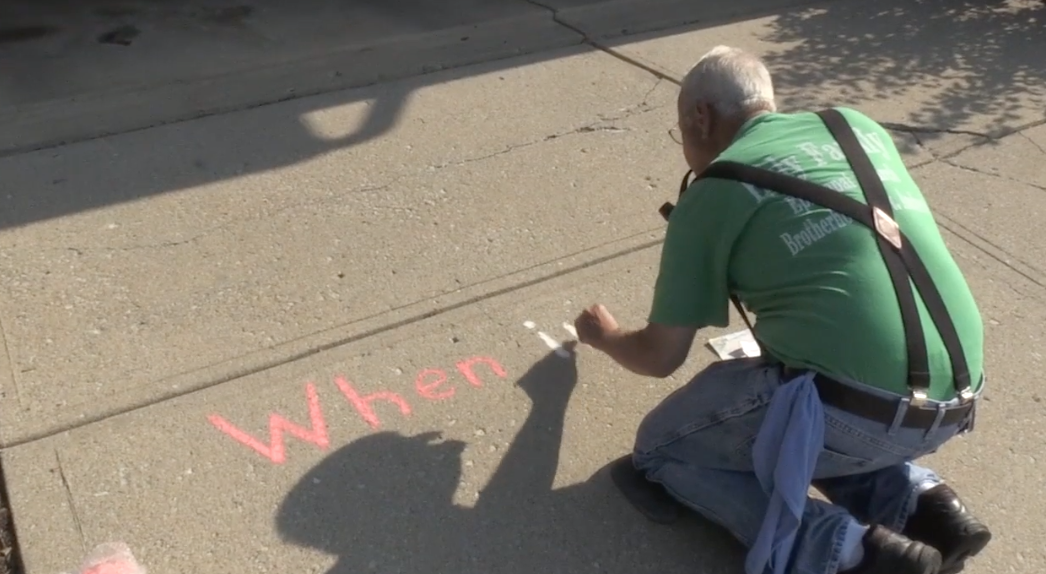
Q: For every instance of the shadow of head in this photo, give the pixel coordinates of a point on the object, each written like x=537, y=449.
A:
x=374, y=493
x=394, y=503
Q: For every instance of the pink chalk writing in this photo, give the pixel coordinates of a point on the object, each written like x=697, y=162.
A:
x=276, y=449
x=363, y=404
x=431, y=384
x=465, y=367
x=428, y=383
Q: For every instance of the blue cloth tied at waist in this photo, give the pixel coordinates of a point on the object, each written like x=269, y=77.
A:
x=785, y=456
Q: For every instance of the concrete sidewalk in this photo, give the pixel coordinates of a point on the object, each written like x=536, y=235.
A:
x=139, y=64
x=233, y=359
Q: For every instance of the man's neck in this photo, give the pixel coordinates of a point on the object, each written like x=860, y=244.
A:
x=748, y=117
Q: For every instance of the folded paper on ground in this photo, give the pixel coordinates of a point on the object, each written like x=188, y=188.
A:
x=735, y=345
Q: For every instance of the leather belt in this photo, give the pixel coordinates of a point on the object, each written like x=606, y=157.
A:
x=876, y=408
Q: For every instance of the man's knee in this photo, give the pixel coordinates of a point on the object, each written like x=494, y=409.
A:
x=654, y=431
x=721, y=388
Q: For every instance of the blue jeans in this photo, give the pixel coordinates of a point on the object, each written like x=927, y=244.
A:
x=698, y=444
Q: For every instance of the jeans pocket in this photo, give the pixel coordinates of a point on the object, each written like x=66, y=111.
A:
x=831, y=463
x=846, y=433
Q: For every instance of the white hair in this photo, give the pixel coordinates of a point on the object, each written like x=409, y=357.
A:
x=733, y=82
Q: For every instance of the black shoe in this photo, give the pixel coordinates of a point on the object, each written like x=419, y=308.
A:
x=648, y=497
x=942, y=521
x=886, y=552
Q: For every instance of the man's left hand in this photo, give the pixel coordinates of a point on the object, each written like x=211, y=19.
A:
x=594, y=325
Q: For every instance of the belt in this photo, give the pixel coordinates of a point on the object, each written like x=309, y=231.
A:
x=876, y=408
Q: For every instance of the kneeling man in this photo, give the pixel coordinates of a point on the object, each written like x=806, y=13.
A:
x=871, y=340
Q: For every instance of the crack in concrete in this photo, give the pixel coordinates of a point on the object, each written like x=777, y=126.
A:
x=601, y=125
x=595, y=127
x=588, y=129
x=514, y=147
x=918, y=140
x=1037, y=145
x=985, y=139
x=69, y=499
x=587, y=39
x=948, y=161
x=650, y=92
x=914, y=130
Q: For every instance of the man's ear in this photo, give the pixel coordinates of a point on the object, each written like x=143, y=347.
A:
x=703, y=120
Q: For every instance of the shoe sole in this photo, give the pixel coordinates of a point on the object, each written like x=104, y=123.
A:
x=934, y=567
x=647, y=497
x=970, y=544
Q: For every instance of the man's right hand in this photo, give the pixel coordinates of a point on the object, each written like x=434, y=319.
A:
x=594, y=324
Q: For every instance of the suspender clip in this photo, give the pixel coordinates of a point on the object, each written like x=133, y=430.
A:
x=965, y=395
x=919, y=397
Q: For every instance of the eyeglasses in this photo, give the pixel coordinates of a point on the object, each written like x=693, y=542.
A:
x=666, y=209
x=675, y=134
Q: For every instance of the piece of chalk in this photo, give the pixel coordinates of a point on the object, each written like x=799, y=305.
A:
x=570, y=329
x=554, y=345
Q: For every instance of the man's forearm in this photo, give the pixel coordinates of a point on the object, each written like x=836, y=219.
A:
x=633, y=350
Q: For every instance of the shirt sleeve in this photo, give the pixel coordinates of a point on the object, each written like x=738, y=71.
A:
x=693, y=284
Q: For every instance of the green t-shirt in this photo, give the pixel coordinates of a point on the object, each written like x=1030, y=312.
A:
x=814, y=279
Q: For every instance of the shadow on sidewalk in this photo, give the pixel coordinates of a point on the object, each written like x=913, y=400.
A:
x=959, y=59
x=385, y=504
x=984, y=54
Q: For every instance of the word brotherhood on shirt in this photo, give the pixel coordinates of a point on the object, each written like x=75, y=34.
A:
x=813, y=230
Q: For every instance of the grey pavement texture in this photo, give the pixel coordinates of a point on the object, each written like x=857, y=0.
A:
x=356, y=268
x=132, y=64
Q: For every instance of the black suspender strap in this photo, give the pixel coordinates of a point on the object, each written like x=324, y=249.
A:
x=888, y=237
x=902, y=261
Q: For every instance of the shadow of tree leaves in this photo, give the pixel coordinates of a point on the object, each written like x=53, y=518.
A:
x=959, y=59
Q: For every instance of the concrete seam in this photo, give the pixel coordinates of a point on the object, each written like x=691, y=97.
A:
x=10, y=365
x=586, y=39
x=955, y=164
x=1037, y=145
x=982, y=244
x=69, y=499
x=272, y=364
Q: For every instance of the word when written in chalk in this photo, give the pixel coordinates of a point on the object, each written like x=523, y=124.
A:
x=553, y=344
x=431, y=384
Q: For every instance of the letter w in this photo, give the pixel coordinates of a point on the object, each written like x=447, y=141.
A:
x=275, y=450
